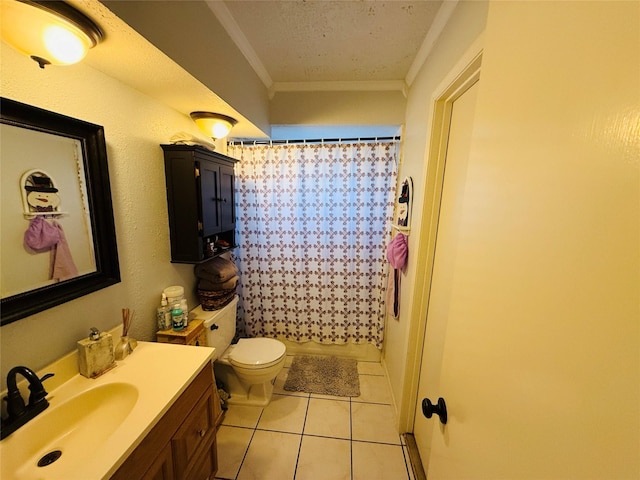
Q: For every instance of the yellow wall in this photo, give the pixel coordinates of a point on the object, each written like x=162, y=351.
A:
x=463, y=30
x=338, y=108
x=549, y=261
x=134, y=126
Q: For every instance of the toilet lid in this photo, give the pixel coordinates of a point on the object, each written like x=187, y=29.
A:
x=257, y=351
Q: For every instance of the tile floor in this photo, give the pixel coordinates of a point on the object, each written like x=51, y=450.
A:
x=301, y=436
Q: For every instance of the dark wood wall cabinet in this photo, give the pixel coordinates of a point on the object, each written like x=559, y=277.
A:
x=200, y=199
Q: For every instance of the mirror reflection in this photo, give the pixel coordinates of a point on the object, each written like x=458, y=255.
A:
x=47, y=235
x=58, y=234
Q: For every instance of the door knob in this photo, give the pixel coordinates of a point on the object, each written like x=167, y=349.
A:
x=439, y=409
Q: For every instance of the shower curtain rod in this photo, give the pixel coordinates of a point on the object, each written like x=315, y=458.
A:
x=315, y=140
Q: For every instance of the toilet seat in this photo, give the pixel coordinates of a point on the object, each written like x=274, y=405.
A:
x=257, y=353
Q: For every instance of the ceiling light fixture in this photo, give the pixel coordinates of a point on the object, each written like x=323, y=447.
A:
x=215, y=125
x=50, y=32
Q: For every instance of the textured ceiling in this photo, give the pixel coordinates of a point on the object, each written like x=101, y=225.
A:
x=290, y=44
x=321, y=40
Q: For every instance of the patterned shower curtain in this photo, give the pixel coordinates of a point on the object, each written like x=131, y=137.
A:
x=312, y=225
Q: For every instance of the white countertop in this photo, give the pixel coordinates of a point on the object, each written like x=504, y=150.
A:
x=160, y=372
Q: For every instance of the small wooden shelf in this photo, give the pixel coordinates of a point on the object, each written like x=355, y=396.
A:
x=194, y=335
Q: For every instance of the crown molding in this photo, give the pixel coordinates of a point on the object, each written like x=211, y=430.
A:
x=229, y=23
x=339, y=86
x=439, y=22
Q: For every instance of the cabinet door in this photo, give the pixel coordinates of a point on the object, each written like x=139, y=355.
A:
x=162, y=467
x=227, y=207
x=210, y=197
x=195, y=437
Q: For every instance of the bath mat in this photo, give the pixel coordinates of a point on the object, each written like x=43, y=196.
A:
x=324, y=375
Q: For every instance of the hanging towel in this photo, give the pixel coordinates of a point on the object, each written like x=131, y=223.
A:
x=41, y=235
x=397, y=253
x=62, y=265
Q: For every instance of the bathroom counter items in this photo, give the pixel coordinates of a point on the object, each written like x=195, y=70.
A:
x=98, y=423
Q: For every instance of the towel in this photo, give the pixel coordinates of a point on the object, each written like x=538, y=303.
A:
x=41, y=235
x=184, y=138
x=398, y=250
x=215, y=300
x=61, y=262
x=397, y=253
x=204, y=284
x=216, y=270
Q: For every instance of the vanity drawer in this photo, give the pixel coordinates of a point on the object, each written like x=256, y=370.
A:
x=195, y=437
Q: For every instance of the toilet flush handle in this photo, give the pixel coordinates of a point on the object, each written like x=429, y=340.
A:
x=214, y=327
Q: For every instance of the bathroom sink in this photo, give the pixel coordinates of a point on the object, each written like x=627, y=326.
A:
x=67, y=435
x=93, y=425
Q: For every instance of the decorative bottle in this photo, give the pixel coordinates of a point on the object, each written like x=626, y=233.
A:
x=177, y=318
x=163, y=314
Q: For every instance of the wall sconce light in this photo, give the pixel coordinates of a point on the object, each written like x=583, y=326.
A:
x=215, y=125
x=50, y=32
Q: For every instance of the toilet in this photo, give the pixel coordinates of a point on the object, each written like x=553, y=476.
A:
x=249, y=367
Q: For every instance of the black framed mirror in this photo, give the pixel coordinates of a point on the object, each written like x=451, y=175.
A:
x=58, y=233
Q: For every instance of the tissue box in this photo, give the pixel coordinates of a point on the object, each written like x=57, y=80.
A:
x=95, y=356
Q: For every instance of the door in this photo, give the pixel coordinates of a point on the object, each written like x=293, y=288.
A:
x=428, y=433
x=227, y=207
x=539, y=328
x=209, y=188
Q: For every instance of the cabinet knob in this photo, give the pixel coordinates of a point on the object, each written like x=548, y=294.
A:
x=202, y=432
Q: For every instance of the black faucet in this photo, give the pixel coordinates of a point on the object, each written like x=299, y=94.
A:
x=17, y=413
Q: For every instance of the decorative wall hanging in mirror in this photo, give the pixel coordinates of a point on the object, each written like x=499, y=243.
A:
x=58, y=235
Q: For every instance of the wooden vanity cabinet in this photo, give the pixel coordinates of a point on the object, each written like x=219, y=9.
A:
x=182, y=445
x=200, y=201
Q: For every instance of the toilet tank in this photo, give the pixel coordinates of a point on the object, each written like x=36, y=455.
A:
x=220, y=326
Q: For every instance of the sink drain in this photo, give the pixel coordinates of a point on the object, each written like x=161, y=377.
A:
x=49, y=458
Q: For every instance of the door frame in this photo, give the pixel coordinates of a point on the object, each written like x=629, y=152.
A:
x=462, y=76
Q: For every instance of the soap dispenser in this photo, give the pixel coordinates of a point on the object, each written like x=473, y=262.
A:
x=95, y=354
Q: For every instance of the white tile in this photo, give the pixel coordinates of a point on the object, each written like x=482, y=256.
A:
x=232, y=445
x=328, y=418
x=376, y=461
x=374, y=423
x=242, y=416
x=329, y=397
x=324, y=459
x=284, y=414
x=373, y=389
x=370, y=368
x=271, y=456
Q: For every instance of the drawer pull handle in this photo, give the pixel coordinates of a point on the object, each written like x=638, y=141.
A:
x=202, y=432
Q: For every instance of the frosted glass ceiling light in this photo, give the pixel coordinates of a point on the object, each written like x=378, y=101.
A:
x=50, y=32
x=214, y=125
